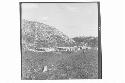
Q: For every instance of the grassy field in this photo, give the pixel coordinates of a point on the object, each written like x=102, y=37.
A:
x=60, y=65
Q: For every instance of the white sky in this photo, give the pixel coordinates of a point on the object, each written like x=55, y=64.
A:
x=73, y=19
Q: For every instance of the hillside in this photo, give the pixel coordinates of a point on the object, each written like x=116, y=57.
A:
x=43, y=35
x=56, y=65
x=88, y=41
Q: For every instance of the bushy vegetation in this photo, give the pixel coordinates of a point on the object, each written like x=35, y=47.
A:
x=74, y=66
x=82, y=64
x=89, y=41
x=43, y=35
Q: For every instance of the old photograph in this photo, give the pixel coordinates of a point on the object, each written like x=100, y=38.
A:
x=60, y=41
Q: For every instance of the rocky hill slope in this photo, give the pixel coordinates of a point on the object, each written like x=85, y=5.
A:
x=42, y=35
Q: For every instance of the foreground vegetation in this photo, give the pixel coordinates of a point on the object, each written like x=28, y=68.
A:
x=55, y=65
x=79, y=65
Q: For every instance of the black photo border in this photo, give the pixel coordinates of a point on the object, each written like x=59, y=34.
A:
x=99, y=33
